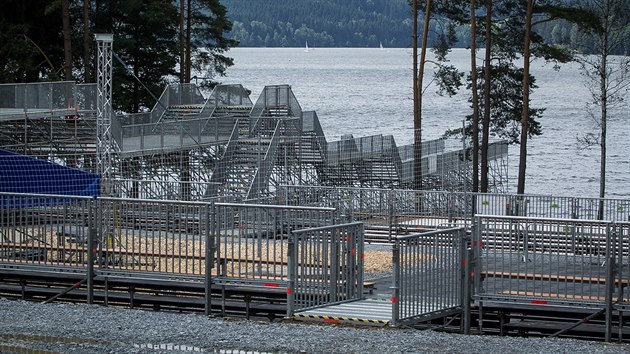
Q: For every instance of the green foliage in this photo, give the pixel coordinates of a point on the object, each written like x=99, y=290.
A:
x=506, y=104
x=209, y=23
x=331, y=23
x=145, y=39
x=29, y=49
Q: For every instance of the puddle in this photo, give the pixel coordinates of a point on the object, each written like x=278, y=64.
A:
x=29, y=339
x=50, y=339
x=190, y=348
x=178, y=347
x=20, y=350
x=23, y=341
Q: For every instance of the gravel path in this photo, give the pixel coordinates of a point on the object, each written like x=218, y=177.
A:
x=68, y=328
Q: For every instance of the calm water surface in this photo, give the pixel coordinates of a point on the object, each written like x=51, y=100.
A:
x=369, y=91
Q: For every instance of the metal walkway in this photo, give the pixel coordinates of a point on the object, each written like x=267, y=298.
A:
x=377, y=312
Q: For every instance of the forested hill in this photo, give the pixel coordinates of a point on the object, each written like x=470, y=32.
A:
x=360, y=23
x=323, y=23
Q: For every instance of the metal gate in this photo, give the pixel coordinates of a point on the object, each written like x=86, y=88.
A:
x=428, y=275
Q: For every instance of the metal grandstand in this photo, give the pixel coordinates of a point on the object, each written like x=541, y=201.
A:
x=191, y=147
x=196, y=147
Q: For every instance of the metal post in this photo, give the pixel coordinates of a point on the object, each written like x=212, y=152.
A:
x=395, y=282
x=91, y=252
x=466, y=300
x=610, y=278
x=210, y=250
x=292, y=263
x=390, y=213
x=334, y=263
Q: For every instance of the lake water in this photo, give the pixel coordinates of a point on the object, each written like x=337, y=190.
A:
x=364, y=91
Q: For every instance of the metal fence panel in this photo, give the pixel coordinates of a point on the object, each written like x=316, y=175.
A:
x=45, y=230
x=428, y=274
x=160, y=237
x=252, y=240
x=327, y=265
x=544, y=261
x=622, y=276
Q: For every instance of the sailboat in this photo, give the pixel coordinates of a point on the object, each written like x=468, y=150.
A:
x=381, y=45
x=306, y=49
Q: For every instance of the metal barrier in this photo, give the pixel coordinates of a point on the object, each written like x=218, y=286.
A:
x=252, y=240
x=404, y=209
x=622, y=301
x=326, y=266
x=563, y=262
x=428, y=275
x=161, y=237
x=46, y=230
x=385, y=208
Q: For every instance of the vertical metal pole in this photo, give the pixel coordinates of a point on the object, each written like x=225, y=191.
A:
x=390, y=213
x=91, y=252
x=610, y=279
x=467, y=287
x=291, y=262
x=210, y=230
x=359, y=244
x=334, y=263
x=395, y=281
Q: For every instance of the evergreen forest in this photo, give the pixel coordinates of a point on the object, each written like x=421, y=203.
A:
x=361, y=23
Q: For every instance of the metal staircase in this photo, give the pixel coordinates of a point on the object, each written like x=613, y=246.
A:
x=244, y=170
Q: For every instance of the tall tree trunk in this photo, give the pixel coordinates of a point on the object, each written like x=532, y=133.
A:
x=522, y=166
x=417, y=124
x=182, y=44
x=87, y=40
x=67, y=44
x=485, y=136
x=475, y=98
x=603, y=79
x=417, y=154
x=188, y=44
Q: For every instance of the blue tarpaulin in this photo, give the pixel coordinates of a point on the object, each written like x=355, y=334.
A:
x=24, y=174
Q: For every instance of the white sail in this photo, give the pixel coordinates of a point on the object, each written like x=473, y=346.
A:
x=306, y=49
x=381, y=44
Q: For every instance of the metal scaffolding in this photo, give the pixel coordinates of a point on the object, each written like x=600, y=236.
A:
x=106, y=146
x=196, y=147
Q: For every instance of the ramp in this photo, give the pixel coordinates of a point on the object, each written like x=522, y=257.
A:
x=373, y=312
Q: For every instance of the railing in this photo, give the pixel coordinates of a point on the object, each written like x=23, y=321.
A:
x=40, y=97
x=401, y=208
x=260, y=182
x=327, y=266
x=252, y=240
x=277, y=96
x=428, y=275
x=165, y=190
x=311, y=125
x=46, y=230
x=622, y=266
x=552, y=262
x=160, y=237
x=219, y=174
x=564, y=262
x=389, y=208
x=220, y=243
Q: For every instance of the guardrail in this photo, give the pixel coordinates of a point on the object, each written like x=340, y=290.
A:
x=429, y=276
x=397, y=208
x=553, y=262
x=326, y=266
x=46, y=230
x=252, y=240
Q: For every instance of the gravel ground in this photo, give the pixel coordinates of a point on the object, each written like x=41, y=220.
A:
x=68, y=328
